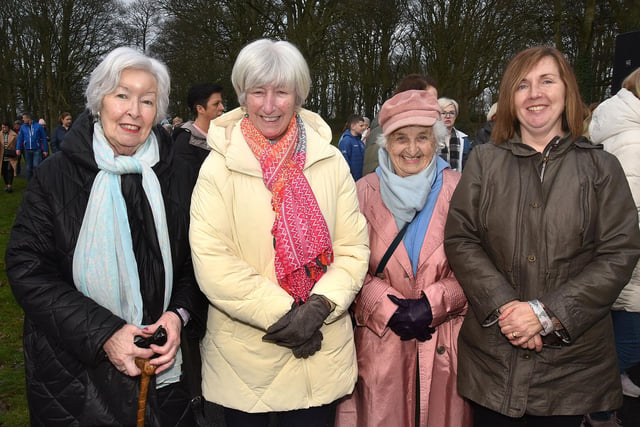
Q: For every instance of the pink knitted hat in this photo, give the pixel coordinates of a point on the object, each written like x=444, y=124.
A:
x=409, y=108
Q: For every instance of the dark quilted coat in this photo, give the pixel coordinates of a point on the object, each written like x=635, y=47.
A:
x=70, y=382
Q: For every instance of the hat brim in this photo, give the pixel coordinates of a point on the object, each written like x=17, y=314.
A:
x=408, y=118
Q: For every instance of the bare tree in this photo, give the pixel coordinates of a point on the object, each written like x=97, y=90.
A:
x=54, y=45
x=140, y=22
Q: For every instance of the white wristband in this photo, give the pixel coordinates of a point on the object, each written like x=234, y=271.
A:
x=543, y=317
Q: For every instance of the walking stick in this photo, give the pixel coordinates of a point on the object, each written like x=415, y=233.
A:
x=159, y=337
x=147, y=371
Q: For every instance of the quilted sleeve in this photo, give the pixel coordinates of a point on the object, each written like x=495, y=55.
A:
x=52, y=303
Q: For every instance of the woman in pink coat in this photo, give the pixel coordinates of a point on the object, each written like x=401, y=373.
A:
x=409, y=311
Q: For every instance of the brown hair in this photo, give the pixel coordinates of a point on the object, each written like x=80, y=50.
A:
x=632, y=82
x=507, y=124
x=62, y=116
x=415, y=82
x=351, y=120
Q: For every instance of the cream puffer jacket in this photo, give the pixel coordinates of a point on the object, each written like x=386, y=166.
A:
x=616, y=125
x=233, y=258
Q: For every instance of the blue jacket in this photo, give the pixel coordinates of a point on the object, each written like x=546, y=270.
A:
x=352, y=148
x=32, y=137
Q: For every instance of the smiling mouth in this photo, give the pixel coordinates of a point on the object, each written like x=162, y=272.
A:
x=270, y=119
x=130, y=127
x=536, y=108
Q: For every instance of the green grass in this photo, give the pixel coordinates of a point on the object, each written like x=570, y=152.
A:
x=13, y=401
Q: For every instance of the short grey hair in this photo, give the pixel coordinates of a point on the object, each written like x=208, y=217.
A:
x=439, y=132
x=105, y=78
x=264, y=62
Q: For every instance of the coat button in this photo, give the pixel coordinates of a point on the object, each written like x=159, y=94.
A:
x=440, y=349
x=361, y=320
x=534, y=204
x=531, y=258
x=526, y=356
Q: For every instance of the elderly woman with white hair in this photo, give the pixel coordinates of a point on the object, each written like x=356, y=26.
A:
x=410, y=309
x=99, y=256
x=279, y=248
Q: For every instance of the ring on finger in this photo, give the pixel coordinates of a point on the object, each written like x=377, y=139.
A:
x=514, y=334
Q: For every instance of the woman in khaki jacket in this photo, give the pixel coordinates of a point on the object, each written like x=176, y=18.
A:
x=542, y=234
x=280, y=249
x=8, y=139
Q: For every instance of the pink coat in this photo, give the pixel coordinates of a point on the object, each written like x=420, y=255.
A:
x=385, y=393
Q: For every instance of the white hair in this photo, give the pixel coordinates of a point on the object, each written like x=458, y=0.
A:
x=264, y=62
x=105, y=78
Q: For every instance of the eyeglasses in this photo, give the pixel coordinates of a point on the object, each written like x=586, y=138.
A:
x=449, y=113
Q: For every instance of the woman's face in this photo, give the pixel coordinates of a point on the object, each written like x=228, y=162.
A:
x=270, y=109
x=540, y=100
x=411, y=149
x=129, y=112
x=449, y=115
x=66, y=121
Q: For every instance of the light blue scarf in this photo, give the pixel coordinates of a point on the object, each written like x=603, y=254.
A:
x=403, y=196
x=104, y=264
x=417, y=230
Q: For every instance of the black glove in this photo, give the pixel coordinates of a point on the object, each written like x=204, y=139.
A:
x=308, y=348
x=297, y=326
x=412, y=318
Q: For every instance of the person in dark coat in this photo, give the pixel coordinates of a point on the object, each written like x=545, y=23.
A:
x=205, y=103
x=99, y=254
x=542, y=234
x=60, y=131
x=484, y=133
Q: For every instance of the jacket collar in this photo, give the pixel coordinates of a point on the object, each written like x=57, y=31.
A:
x=78, y=144
x=566, y=143
x=225, y=137
x=381, y=220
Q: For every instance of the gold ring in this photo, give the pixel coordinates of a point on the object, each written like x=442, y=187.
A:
x=514, y=334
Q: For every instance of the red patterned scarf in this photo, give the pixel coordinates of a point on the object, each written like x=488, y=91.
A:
x=301, y=236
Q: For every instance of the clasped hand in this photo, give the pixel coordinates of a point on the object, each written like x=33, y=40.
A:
x=412, y=318
x=122, y=351
x=520, y=325
x=299, y=328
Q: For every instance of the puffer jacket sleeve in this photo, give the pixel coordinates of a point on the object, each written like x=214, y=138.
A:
x=50, y=301
x=345, y=275
x=587, y=297
x=229, y=282
x=486, y=288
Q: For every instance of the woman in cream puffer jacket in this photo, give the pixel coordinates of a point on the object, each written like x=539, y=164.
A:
x=233, y=255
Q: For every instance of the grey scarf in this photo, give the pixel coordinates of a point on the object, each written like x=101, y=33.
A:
x=404, y=196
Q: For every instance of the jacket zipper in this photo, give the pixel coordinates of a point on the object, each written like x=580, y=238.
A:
x=545, y=154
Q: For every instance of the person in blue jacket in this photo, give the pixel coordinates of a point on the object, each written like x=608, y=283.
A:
x=32, y=139
x=351, y=145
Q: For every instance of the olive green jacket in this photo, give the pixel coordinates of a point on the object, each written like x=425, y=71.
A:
x=571, y=241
